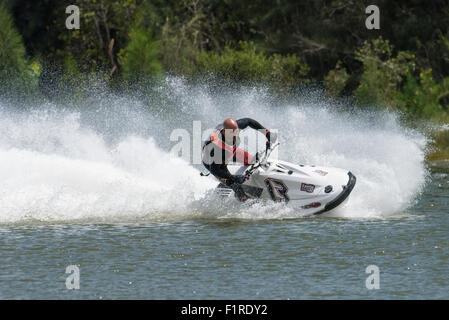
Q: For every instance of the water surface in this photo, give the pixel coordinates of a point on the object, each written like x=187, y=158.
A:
x=211, y=258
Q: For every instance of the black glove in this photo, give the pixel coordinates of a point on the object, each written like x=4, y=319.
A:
x=240, y=179
x=272, y=137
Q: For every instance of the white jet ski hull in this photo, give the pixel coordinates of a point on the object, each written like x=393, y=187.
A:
x=313, y=189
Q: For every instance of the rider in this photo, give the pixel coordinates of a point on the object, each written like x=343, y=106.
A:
x=222, y=146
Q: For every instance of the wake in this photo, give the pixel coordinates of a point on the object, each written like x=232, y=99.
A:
x=107, y=159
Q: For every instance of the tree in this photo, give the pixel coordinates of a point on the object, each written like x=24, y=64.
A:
x=16, y=74
x=12, y=50
x=139, y=59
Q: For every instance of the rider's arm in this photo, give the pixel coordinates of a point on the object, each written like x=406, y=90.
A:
x=245, y=122
x=248, y=122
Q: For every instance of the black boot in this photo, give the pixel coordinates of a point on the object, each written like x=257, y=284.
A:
x=239, y=193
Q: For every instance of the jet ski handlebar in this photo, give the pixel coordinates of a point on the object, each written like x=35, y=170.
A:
x=261, y=159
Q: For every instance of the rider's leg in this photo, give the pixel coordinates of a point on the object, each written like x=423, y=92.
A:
x=221, y=172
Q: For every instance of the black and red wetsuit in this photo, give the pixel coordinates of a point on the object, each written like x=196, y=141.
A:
x=227, y=152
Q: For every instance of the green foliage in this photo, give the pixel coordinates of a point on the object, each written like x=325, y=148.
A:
x=177, y=49
x=443, y=41
x=440, y=144
x=182, y=36
x=139, y=59
x=71, y=66
x=242, y=64
x=336, y=80
x=245, y=63
x=422, y=99
x=16, y=74
x=383, y=76
x=382, y=73
x=12, y=50
x=104, y=28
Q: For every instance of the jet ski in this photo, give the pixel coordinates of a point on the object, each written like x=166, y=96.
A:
x=311, y=188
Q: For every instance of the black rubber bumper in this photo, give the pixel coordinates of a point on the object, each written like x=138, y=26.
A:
x=342, y=196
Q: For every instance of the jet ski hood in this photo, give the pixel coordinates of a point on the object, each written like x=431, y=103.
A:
x=316, y=189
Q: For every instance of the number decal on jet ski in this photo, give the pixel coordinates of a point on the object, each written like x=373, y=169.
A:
x=277, y=190
x=307, y=187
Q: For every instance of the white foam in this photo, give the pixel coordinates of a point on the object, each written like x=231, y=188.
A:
x=83, y=179
x=59, y=166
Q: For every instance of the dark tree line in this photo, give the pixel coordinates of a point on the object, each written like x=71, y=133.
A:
x=404, y=64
